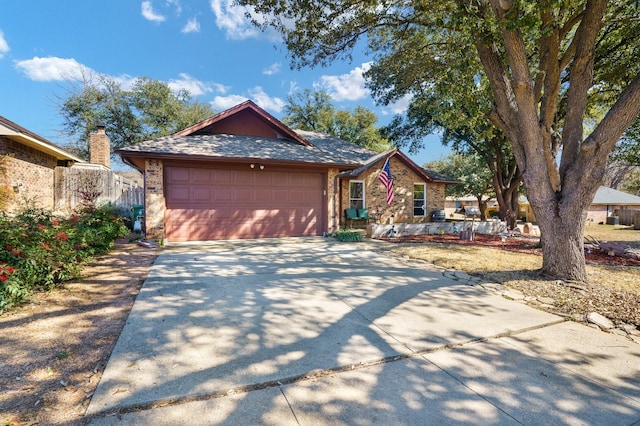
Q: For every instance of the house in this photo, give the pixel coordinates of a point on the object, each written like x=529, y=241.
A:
x=27, y=166
x=244, y=174
x=41, y=172
x=457, y=208
x=608, y=206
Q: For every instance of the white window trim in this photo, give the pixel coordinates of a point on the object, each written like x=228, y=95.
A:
x=364, y=193
x=424, y=199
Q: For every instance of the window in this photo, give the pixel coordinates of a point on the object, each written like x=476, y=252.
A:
x=356, y=194
x=419, y=199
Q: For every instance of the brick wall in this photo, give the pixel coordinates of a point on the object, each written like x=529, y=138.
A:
x=333, y=201
x=100, y=148
x=30, y=171
x=402, y=207
x=154, y=199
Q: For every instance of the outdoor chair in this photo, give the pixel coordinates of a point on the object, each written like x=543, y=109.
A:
x=351, y=215
x=363, y=214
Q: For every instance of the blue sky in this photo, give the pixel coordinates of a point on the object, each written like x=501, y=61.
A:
x=207, y=47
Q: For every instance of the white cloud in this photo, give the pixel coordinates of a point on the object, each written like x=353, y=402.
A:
x=192, y=26
x=345, y=87
x=125, y=81
x=256, y=94
x=220, y=103
x=52, y=68
x=149, y=14
x=177, y=5
x=401, y=105
x=195, y=87
x=232, y=20
x=4, y=46
x=272, y=69
x=259, y=96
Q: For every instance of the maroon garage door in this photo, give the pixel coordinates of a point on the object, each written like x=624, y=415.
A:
x=211, y=204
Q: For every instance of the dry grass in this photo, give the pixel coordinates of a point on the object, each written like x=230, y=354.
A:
x=613, y=291
x=625, y=234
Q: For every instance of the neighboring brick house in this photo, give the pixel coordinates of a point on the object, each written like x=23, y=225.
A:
x=608, y=206
x=27, y=165
x=38, y=171
x=244, y=174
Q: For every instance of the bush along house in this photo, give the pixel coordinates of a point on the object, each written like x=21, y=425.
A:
x=244, y=174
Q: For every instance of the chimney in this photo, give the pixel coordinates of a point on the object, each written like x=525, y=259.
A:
x=100, y=147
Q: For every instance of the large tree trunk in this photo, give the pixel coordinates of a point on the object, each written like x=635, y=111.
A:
x=482, y=205
x=526, y=113
x=562, y=240
x=508, y=204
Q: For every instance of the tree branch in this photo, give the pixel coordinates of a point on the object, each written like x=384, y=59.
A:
x=580, y=81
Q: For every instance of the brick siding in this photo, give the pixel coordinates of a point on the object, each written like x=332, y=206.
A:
x=154, y=199
x=31, y=168
x=402, y=207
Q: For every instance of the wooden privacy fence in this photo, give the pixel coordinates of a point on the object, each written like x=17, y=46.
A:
x=91, y=182
x=629, y=217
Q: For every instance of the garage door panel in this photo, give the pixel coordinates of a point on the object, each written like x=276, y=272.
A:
x=223, y=176
x=179, y=193
x=201, y=194
x=262, y=196
x=223, y=194
x=298, y=197
x=205, y=204
x=232, y=229
x=280, y=179
x=178, y=175
x=201, y=176
x=243, y=178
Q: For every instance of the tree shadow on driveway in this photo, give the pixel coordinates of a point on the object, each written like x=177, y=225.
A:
x=319, y=324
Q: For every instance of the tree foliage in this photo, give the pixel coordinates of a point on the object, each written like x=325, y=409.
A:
x=473, y=174
x=548, y=63
x=313, y=111
x=147, y=110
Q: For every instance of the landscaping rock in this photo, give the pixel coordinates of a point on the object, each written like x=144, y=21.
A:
x=630, y=329
x=600, y=320
x=513, y=294
x=546, y=300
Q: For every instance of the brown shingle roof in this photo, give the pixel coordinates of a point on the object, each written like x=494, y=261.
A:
x=222, y=146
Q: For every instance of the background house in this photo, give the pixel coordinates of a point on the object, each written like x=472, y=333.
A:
x=609, y=206
x=28, y=165
x=47, y=176
x=244, y=174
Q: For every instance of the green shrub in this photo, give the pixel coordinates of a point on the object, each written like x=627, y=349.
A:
x=348, y=236
x=39, y=251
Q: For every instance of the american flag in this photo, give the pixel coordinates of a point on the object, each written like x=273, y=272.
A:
x=387, y=180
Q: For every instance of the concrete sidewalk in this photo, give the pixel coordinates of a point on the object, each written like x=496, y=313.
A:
x=312, y=331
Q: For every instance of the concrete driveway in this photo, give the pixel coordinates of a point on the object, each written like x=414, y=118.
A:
x=311, y=331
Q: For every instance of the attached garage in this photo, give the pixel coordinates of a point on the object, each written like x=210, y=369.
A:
x=211, y=203
x=244, y=174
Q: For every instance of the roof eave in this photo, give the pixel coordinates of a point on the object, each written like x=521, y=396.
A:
x=221, y=159
x=42, y=146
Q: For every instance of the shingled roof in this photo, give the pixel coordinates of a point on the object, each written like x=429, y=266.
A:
x=16, y=132
x=239, y=147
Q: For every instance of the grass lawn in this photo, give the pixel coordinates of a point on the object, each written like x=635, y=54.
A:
x=613, y=291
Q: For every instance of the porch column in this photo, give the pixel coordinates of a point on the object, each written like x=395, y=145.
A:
x=333, y=204
x=154, y=202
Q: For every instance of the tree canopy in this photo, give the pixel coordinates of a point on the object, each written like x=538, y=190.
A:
x=473, y=174
x=313, y=111
x=548, y=63
x=147, y=110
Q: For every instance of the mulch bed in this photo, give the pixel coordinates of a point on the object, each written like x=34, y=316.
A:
x=520, y=244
